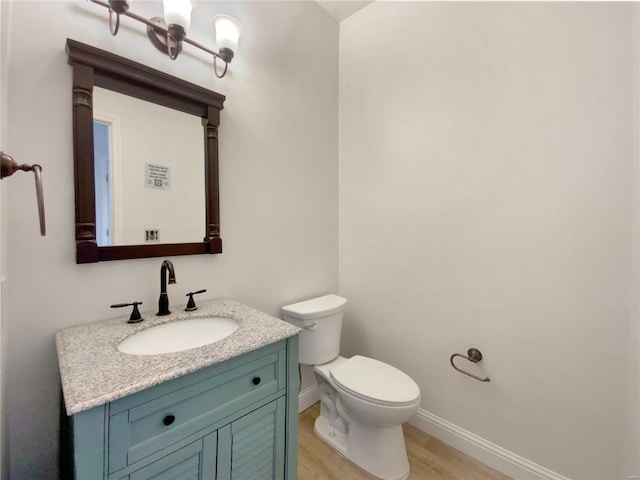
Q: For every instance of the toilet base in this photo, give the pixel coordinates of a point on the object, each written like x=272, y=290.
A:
x=384, y=462
x=329, y=435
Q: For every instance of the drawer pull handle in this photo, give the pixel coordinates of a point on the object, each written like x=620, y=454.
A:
x=168, y=420
x=256, y=380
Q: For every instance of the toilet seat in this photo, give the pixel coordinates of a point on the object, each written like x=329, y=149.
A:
x=375, y=381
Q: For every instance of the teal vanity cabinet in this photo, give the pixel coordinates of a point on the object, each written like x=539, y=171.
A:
x=234, y=420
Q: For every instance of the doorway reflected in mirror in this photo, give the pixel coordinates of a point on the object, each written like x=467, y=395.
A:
x=102, y=156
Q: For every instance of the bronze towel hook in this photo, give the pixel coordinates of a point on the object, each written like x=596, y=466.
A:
x=473, y=355
x=9, y=166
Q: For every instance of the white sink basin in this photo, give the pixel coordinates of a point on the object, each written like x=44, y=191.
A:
x=178, y=336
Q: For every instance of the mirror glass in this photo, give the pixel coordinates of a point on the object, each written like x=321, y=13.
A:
x=149, y=172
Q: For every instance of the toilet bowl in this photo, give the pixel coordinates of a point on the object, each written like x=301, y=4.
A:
x=369, y=416
x=363, y=401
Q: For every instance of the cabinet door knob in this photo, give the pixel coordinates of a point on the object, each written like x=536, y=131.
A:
x=256, y=380
x=168, y=420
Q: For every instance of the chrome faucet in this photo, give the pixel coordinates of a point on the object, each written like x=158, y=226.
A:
x=163, y=302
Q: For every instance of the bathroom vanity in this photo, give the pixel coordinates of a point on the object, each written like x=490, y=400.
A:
x=224, y=411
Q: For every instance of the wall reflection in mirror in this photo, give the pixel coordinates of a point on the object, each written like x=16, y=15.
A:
x=149, y=172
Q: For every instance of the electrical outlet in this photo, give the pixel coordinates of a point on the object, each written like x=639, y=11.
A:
x=151, y=235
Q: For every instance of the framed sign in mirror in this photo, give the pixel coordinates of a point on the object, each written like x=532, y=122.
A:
x=146, y=160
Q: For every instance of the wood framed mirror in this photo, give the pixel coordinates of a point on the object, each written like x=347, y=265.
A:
x=93, y=67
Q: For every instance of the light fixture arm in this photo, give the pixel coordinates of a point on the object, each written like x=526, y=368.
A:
x=117, y=7
x=114, y=29
x=164, y=31
x=168, y=40
x=215, y=68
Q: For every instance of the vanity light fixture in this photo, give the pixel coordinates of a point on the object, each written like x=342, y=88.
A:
x=169, y=33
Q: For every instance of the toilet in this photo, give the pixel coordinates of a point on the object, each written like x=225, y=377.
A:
x=363, y=402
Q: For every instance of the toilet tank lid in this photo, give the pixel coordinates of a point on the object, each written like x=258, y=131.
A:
x=315, y=307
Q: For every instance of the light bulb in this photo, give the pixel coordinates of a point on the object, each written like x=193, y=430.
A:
x=177, y=16
x=228, y=31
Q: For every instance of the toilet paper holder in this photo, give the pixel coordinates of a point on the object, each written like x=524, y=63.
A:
x=473, y=355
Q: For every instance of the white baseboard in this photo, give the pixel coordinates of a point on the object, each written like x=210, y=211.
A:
x=482, y=450
x=476, y=447
x=307, y=397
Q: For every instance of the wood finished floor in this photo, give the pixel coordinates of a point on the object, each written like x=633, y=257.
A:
x=430, y=459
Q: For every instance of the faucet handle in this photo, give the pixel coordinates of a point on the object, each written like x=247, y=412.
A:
x=191, y=304
x=135, y=313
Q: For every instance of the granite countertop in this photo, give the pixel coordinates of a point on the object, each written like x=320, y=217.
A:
x=94, y=371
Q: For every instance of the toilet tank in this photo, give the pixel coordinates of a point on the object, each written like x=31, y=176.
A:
x=321, y=322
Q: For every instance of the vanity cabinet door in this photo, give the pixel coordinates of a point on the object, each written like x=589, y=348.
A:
x=252, y=447
x=196, y=461
x=147, y=422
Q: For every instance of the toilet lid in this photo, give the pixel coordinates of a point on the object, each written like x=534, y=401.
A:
x=375, y=381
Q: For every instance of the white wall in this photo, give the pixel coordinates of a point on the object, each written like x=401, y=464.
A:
x=486, y=200
x=4, y=464
x=278, y=170
x=631, y=450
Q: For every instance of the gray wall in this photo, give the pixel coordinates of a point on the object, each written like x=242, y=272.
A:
x=4, y=444
x=278, y=184
x=487, y=195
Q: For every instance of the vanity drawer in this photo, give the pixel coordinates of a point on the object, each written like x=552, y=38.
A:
x=175, y=414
